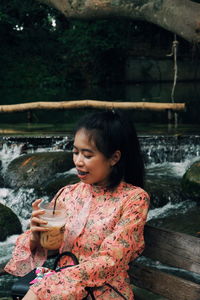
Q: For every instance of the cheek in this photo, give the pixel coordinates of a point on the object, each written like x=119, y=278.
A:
x=73, y=158
x=105, y=168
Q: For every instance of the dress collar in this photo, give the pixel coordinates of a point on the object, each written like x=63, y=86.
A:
x=97, y=189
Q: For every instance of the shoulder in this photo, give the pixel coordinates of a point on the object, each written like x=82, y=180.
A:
x=67, y=190
x=131, y=192
x=71, y=187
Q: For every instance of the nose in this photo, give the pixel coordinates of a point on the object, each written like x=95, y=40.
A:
x=78, y=160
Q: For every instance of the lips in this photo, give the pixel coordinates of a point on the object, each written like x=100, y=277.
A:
x=82, y=173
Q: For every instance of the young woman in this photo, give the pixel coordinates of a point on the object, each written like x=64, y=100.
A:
x=106, y=213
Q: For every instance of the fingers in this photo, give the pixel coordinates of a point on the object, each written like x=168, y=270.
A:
x=35, y=204
x=36, y=222
x=37, y=225
x=35, y=229
x=37, y=213
x=35, y=216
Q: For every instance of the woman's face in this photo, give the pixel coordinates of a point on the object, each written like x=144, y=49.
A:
x=92, y=166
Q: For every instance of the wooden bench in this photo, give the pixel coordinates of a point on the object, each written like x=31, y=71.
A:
x=175, y=250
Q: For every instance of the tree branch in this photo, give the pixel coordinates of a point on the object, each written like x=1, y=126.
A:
x=91, y=103
x=179, y=16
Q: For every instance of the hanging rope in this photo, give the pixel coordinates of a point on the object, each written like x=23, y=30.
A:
x=174, y=54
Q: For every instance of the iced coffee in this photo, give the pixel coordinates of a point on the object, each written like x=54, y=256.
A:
x=53, y=238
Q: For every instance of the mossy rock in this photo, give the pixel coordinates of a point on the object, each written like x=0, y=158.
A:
x=160, y=194
x=36, y=170
x=191, y=181
x=9, y=223
x=57, y=183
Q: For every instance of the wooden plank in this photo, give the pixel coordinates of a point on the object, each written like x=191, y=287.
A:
x=172, y=248
x=91, y=103
x=167, y=285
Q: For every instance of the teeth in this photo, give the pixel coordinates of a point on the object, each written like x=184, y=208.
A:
x=82, y=173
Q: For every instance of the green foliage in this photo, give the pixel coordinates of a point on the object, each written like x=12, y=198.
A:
x=92, y=47
x=34, y=52
x=93, y=37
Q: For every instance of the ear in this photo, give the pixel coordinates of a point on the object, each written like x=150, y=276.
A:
x=115, y=157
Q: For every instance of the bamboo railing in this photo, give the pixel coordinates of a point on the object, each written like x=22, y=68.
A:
x=91, y=103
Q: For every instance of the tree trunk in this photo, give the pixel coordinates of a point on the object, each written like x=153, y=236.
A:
x=179, y=16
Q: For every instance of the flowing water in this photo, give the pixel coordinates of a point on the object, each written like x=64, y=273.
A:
x=168, y=150
x=166, y=159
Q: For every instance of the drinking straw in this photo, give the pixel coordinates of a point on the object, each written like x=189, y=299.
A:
x=55, y=201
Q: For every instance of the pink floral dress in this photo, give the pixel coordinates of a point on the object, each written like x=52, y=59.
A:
x=104, y=230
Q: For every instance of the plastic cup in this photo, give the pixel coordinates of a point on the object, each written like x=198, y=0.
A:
x=53, y=238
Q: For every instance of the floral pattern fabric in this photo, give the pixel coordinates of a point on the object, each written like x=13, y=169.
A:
x=108, y=237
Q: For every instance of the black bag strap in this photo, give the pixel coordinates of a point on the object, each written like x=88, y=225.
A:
x=76, y=262
x=66, y=253
x=116, y=290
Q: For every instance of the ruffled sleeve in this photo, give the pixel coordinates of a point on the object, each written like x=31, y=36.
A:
x=124, y=244
x=23, y=261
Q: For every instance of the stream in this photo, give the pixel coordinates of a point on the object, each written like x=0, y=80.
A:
x=166, y=160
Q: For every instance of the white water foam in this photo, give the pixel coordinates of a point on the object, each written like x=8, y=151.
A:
x=171, y=169
x=8, y=153
x=170, y=209
x=6, y=248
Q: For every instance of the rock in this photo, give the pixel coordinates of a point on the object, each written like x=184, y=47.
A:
x=36, y=170
x=191, y=181
x=1, y=181
x=185, y=222
x=52, y=187
x=160, y=193
x=1, y=177
x=9, y=223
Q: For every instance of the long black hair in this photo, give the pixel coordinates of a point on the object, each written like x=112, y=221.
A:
x=111, y=131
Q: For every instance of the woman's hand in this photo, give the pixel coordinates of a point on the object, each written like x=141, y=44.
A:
x=35, y=223
x=30, y=296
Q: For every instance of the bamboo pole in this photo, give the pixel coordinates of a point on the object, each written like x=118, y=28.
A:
x=91, y=103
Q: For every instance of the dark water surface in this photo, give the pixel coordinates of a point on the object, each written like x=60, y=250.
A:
x=61, y=122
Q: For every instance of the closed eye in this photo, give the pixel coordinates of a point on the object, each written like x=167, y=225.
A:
x=75, y=152
x=88, y=156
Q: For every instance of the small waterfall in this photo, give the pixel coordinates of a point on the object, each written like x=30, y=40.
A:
x=165, y=157
x=156, y=149
x=161, y=149
x=12, y=147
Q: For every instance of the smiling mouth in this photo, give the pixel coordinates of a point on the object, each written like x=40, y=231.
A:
x=82, y=173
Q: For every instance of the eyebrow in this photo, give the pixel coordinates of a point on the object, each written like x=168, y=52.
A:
x=83, y=149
